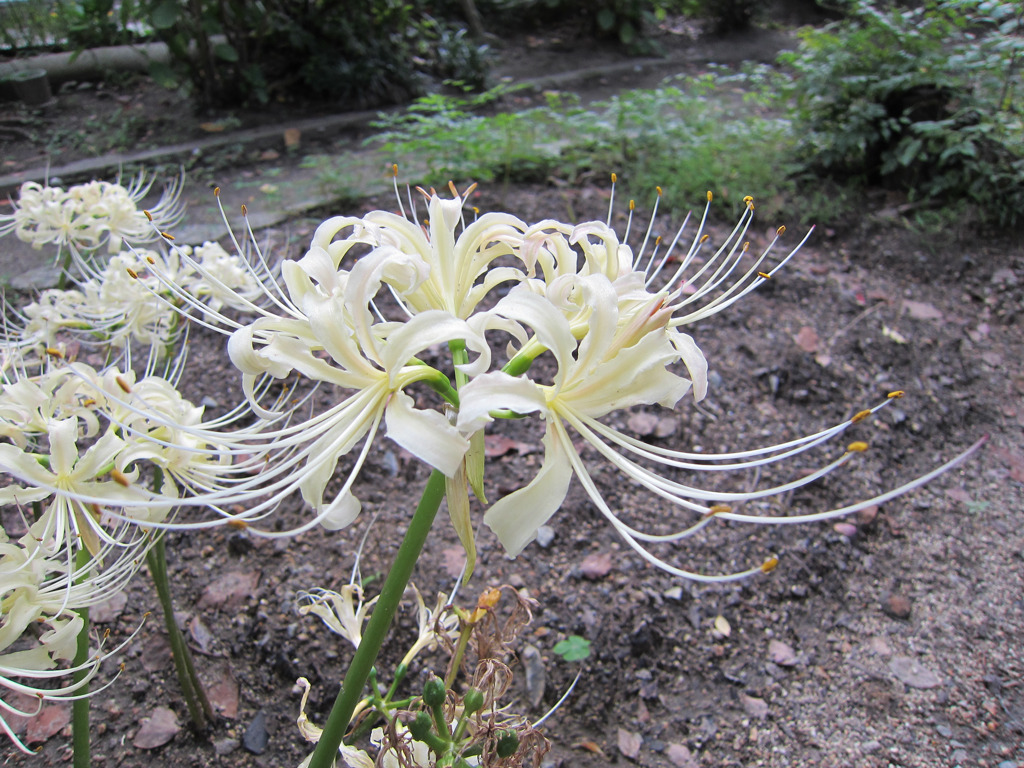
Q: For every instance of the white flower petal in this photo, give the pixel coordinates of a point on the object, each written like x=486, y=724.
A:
x=494, y=392
x=427, y=435
x=516, y=517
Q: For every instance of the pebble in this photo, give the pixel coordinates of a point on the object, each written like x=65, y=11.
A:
x=870, y=746
x=897, y=605
x=545, y=535
x=256, y=737
x=536, y=678
x=225, y=746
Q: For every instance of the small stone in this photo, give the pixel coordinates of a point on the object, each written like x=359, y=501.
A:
x=681, y=756
x=870, y=746
x=897, y=605
x=536, y=678
x=545, y=535
x=226, y=746
x=256, y=736
x=909, y=671
x=944, y=731
x=596, y=566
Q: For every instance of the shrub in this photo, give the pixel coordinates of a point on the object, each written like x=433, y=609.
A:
x=918, y=99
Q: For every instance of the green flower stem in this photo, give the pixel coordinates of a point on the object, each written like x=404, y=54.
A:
x=80, y=706
x=380, y=620
x=199, y=708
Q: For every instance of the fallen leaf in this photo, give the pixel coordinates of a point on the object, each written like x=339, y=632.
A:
x=292, y=138
x=499, y=445
x=156, y=653
x=590, y=746
x=754, y=707
x=230, y=590
x=722, y=627
x=920, y=310
x=781, y=654
x=629, y=743
x=910, y=671
x=202, y=636
x=223, y=692
x=681, y=756
x=807, y=339
x=49, y=722
x=596, y=566
x=454, y=559
x=157, y=729
x=212, y=127
x=109, y=609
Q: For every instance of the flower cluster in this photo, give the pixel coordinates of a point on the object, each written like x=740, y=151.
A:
x=375, y=298
x=87, y=216
x=135, y=298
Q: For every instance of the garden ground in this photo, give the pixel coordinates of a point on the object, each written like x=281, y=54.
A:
x=893, y=641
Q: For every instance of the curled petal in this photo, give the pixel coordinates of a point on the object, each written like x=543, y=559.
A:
x=516, y=517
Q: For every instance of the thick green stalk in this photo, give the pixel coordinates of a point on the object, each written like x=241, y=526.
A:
x=380, y=620
x=80, y=706
x=199, y=708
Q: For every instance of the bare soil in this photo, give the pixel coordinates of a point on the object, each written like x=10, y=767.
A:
x=895, y=642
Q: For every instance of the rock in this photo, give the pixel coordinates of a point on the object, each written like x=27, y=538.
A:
x=536, y=677
x=596, y=566
x=629, y=743
x=897, y=605
x=754, y=707
x=226, y=746
x=909, y=671
x=50, y=721
x=256, y=737
x=781, y=654
x=680, y=756
x=545, y=535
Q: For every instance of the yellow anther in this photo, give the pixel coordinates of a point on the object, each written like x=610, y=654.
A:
x=148, y=215
x=151, y=260
x=632, y=204
x=858, y=446
x=710, y=196
x=614, y=178
x=746, y=246
x=470, y=189
x=122, y=382
x=120, y=477
x=764, y=275
x=453, y=189
x=781, y=230
x=88, y=402
x=770, y=564
x=54, y=352
x=394, y=170
x=717, y=509
x=750, y=205
x=167, y=235
x=245, y=211
x=705, y=238
x=860, y=416
x=216, y=191
x=657, y=241
x=748, y=199
x=896, y=394
x=132, y=273
x=121, y=666
x=476, y=210
x=238, y=525
x=659, y=191
x=106, y=633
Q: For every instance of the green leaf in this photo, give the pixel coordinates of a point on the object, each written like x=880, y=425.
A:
x=163, y=75
x=573, y=648
x=225, y=52
x=606, y=19
x=165, y=15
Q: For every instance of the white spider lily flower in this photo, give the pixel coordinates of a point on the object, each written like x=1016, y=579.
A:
x=338, y=610
x=87, y=216
x=456, y=266
x=350, y=756
x=620, y=361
